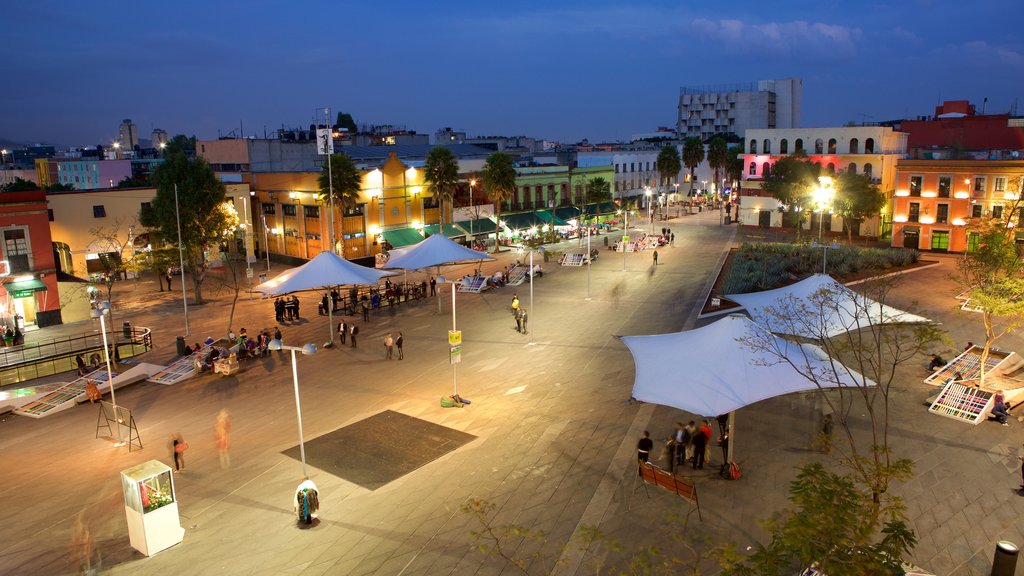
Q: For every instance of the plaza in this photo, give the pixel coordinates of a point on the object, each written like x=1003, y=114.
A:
x=554, y=447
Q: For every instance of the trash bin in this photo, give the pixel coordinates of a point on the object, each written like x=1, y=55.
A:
x=126, y=329
x=182, y=347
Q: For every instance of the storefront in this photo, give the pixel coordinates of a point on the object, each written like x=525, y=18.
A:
x=19, y=301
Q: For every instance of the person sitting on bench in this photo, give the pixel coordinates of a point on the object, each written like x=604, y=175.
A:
x=1000, y=411
x=936, y=363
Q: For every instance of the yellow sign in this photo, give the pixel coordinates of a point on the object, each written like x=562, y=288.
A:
x=625, y=238
x=454, y=337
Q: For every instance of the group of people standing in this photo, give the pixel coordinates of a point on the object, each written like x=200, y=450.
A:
x=286, y=309
x=687, y=444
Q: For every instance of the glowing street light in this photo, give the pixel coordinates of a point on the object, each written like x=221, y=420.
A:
x=101, y=311
x=822, y=196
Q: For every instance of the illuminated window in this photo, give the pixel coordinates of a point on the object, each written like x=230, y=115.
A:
x=914, y=213
x=915, y=185
x=979, y=184
x=945, y=184
x=832, y=146
x=869, y=146
x=268, y=209
x=753, y=169
x=942, y=214
x=997, y=212
x=288, y=209
x=940, y=240
x=1000, y=184
x=976, y=211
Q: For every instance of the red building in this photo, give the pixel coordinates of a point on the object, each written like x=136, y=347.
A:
x=28, y=276
x=958, y=132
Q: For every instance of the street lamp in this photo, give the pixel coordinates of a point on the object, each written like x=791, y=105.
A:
x=181, y=258
x=101, y=311
x=647, y=193
x=823, y=194
x=307, y=350
x=472, y=182
x=3, y=158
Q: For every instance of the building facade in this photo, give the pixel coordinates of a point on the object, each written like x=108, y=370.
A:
x=541, y=187
x=30, y=295
x=937, y=200
x=708, y=110
x=128, y=134
x=957, y=131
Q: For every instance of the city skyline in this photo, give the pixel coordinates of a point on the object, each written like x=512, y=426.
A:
x=597, y=70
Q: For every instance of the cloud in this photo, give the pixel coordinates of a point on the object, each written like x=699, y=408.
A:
x=797, y=38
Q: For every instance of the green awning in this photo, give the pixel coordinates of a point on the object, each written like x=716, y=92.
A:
x=479, y=226
x=449, y=230
x=402, y=236
x=549, y=218
x=567, y=212
x=522, y=220
x=25, y=288
x=601, y=208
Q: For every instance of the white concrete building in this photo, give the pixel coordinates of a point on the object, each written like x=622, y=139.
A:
x=708, y=110
x=635, y=169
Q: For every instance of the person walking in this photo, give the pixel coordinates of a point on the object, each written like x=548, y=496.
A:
x=433, y=286
x=655, y=257
x=168, y=278
x=389, y=346
x=523, y=315
x=705, y=429
x=178, y=445
x=222, y=437
x=690, y=430
x=643, y=450
x=518, y=314
x=342, y=331
x=366, y=308
x=398, y=344
x=278, y=310
x=515, y=303
x=700, y=444
x=277, y=334
x=324, y=303
x=353, y=331
x=295, y=304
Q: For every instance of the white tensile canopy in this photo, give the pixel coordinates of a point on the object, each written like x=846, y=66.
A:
x=437, y=250
x=832, y=309
x=690, y=371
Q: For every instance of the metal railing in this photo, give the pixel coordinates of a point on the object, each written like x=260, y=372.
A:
x=49, y=357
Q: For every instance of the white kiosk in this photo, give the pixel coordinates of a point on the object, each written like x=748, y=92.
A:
x=151, y=507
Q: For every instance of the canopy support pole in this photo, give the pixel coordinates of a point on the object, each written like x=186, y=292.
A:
x=330, y=318
x=732, y=436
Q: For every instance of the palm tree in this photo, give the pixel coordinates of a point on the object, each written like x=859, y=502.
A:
x=441, y=173
x=718, y=157
x=598, y=190
x=499, y=181
x=668, y=164
x=346, y=180
x=693, y=155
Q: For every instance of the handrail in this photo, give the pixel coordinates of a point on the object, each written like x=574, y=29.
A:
x=62, y=358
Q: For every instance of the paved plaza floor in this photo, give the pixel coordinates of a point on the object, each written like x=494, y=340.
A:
x=553, y=448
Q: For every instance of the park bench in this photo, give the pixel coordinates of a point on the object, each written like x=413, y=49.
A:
x=573, y=259
x=473, y=284
x=680, y=485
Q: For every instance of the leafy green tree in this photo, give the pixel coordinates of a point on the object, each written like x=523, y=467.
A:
x=20, y=185
x=499, y=181
x=693, y=155
x=158, y=261
x=181, y=144
x=116, y=255
x=347, y=181
x=130, y=182
x=734, y=164
x=441, y=173
x=58, y=187
x=202, y=208
x=791, y=182
x=856, y=199
x=598, y=190
x=346, y=121
x=718, y=157
x=668, y=164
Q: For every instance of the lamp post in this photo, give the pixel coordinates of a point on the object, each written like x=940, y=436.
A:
x=181, y=258
x=647, y=193
x=101, y=311
x=472, y=182
x=3, y=158
x=589, y=258
x=823, y=196
x=307, y=350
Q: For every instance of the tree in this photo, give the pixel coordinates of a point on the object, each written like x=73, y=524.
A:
x=19, y=185
x=441, y=173
x=693, y=155
x=116, y=256
x=58, y=187
x=181, y=144
x=598, y=190
x=131, y=182
x=499, y=181
x=204, y=216
x=791, y=182
x=668, y=164
x=734, y=164
x=232, y=256
x=718, y=157
x=158, y=261
x=346, y=180
x=856, y=198
x=346, y=121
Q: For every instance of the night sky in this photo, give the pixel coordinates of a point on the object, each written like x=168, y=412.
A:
x=597, y=69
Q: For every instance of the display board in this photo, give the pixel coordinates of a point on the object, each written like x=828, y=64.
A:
x=963, y=402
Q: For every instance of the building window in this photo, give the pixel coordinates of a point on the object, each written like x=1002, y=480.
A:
x=359, y=209
x=798, y=146
x=753, y=169
x=940, y=240
x=915, y=185
x=753, y=146
x=311, y=211
x=976, y=211
x=854, y=146
x=973, y=239
x=632, y=167
x=831, y=168
x=867, y=169
x=99, y=212
x=784, y=146
x=268, y=209
x=945, y=183
x=819, y=146
x=1000, y=184
x=16, y=250
x=914, y=214
x=766, y=169
x=49, y=214
x=616, y=168
x=942, y=214
x=979, y=183
x=997, y=212
x=766, y=146
x=831, y=145
x=852, y=168
x=288, y=209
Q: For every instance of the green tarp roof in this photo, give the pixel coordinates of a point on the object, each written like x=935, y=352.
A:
x=549, y=218
x=567, y=212
x=479, y=226
x=402, y=236
x=602, y=208
x=523, y=220
x=449, y=230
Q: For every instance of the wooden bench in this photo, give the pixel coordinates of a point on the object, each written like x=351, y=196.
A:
x=473, y=284
x=680, y=485
x=573, y=259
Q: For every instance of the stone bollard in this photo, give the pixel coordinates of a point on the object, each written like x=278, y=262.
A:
x=1004, y=563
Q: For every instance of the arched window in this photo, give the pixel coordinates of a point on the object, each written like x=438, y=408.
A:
x=854, y=146
x=852, y=168
x=798, y=146
x=753, y=169
x=753, y=146
x=831, y=168
x=766, y=169
x=784, y=146
x=867, y=169
x=831, y=145
x=766, y=148
x=869, y=146
x=819, y=146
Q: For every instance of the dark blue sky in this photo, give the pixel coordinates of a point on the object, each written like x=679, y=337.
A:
x=555, y=70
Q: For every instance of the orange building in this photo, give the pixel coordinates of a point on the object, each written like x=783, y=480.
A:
x=936, y=200
x=28, y=275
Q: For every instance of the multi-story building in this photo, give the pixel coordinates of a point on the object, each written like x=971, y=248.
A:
x=957, y=131
x=708, y=110
x=26, y=157
x=158, y=138
x=936, y=200
x=30, y=295
x=82, y=173
x=128, y=135
x=540, y=187
x=869, y=150
x=634, y=168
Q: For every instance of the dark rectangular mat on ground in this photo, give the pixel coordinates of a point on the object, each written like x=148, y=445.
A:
x=381, y=448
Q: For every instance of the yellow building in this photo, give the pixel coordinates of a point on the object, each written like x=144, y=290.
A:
x=393, y=203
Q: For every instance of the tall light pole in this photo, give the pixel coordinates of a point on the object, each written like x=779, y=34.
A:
x=181, y=258
x=101, y=311
x=822, y=197
x=647, y=193
x=307, y=350
x=532, y=278
x=330, y=178
x=472, y=182
x=589, y=255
